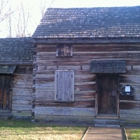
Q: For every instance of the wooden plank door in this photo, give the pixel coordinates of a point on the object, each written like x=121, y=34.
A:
x=5, y=97
x=107, y=94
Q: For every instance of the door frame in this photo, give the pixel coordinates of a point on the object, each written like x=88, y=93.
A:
x=97, y=95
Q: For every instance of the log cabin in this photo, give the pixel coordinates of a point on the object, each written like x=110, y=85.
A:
x=81, y=65
x=86, y=65
x=16, y=93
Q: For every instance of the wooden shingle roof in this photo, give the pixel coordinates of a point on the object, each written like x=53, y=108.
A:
x=89, y=22
x=16, y=51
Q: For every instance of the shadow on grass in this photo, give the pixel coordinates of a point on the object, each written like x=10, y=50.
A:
x=39, y=125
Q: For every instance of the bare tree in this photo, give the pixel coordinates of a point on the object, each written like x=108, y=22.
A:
x=5, y=9
x=22, y=18
x=43, y=6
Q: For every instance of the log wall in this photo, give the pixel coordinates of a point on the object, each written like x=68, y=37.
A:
x=22, y=92
x=46, y=62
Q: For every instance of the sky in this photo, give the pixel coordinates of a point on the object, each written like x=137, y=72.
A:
x=94, y=3
x=34, y=6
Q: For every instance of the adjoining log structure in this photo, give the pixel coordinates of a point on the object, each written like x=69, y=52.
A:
x=87, y=64
x=16, y=93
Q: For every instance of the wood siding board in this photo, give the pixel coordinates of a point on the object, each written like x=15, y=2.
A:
x=85, y=87
x=20, y=97
x=21, y=113
x=75, y=104
x=65, y=111
x=130, y=79
x=133, y=114
x=129, y=62
x=129, y=105
x=22, y=91
x=133, y=70
x=91, y=55
x=19, y=107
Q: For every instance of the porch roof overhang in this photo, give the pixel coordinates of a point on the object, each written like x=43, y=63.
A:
x=7, y=69
x=108, y=66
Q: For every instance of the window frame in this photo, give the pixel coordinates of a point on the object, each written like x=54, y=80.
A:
x=64, y=50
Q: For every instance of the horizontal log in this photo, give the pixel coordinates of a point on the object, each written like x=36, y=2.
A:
x=47, y=68
x=48, y=48
x=45, y=71
x=106, y=45
x=43, y=95
x=129, y=101
x=19, y=82
x=85, y=92
x=133, y=70
x=93, y=47
x=21, y=92
x=133, y=114
x=40, y=78
x=70, y=67
x=47, y=89
x=44, y=85
x=24, y=98
x=41, y=99
x=18, y=107
x=110, y=47
x=63, y=118
x=64, y=62
x=29, y=86
x=22, y=113
x=85, y=78
x=84, y=83
x=44, y=76
x=86, y=67
x=129, y=79
x=78, y=104
x=22, y=102
x=65, y=111
x=85, y=99
x=84, y=95
x=62, y=67
x=129, y=105
x=84, y=87
x=88, y=55
x=84, y=72
x=23, y=76
x=43, y=91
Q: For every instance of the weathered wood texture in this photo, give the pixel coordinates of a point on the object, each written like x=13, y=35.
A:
x=58, y=113
x=22, y=92
x=45, y=64
x=5, y=92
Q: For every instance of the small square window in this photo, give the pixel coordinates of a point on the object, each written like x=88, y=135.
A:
x=64, y=50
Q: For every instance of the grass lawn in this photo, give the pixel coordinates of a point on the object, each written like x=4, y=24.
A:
x=25, y=130
x=133, y=134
